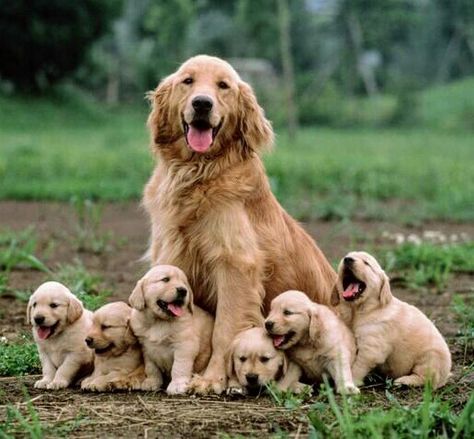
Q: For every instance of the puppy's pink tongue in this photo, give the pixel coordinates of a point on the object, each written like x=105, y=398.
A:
x=175, y=309
x=278, y=340
x=351, y=290
x=43, y=332
x=199, y=140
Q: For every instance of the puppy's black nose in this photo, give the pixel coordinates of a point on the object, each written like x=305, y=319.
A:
x=181, y=291
x=269, y=325
x=252, y=379
x=202, y=104
x=89, y=341
x=348, y=260
x=39, y=320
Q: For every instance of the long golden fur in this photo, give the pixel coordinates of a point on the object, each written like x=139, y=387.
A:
x=391, y=334
x=212, y=211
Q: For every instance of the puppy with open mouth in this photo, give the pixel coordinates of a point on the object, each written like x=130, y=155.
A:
x=60, y=325
x=118, y=362
x=314, y=337
x=391, y=335
x=175, y=335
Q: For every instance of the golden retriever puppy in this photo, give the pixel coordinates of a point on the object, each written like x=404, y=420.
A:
x=391, y=334
x=314, y=337
x=253, y=362
x=211, y=209
x=175, y=335
x=118, y=362
x=60, y=326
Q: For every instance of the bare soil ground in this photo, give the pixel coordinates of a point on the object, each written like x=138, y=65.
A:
x=137, y=414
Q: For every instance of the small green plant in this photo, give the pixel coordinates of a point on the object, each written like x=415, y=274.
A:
x=464, y=311
x=19, y=359
x=287, y=398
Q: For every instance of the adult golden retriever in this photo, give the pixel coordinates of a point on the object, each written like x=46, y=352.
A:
x=211, y=208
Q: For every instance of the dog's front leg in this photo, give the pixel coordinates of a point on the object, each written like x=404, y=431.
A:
x=182, y=369
x=66, y=373
x=49, y=370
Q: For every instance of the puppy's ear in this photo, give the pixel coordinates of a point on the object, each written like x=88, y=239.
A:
x=335, y=299
x=28, y=310
x=191, y=299
x=282, y=368
x=74, y=309
x=229, y=361
x=314, y=323
x=385, y=292
x=253, y=128
x=137, y=298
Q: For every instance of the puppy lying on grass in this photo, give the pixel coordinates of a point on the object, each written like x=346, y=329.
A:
x=175, y=334
x=60, y=326
x=391, y=334
x=118, y=362
x=253, y=362
x=313, y=337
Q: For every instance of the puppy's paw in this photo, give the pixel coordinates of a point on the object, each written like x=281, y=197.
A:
x=150, y=384
x=42, y=384
x=58, y=383
x=236, y=390
x=348, y=389
x=203, y=386
x=178, y=387
x=299, y=388
x=409, y=380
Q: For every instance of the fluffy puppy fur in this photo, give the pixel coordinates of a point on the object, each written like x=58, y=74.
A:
x=253, y=361
x=60, y=325
x=175, y=334
x=390, y=334
x=118, y=362
x=212, y=211
x=314, y=337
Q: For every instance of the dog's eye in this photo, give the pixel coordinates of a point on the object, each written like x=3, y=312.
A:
x=287, y=312
x=223, y=85
x=34, y=304
x=243, y=359
x=53, y=305
x=366, y=263
x=264, y=359
x=104, y=327
x=165, y=279
x=188, y=81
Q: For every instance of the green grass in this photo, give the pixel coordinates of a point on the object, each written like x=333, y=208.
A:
x=19, y=359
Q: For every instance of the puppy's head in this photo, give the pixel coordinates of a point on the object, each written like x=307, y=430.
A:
x=165, y=291
x=51, y=308
x=361, y=280
x=110, y=334
x=289, y=319
x=253, y=359
x=205, y=107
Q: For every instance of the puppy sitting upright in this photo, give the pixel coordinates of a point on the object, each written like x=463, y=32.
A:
x=175, y=334
x=118, y=360
x=391, y=334
x=60, y=325
x=253, y=362
x=314, y=338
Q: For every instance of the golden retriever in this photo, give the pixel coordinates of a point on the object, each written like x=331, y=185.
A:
x=60, y=325
x=314, y=337
x=211, y=208
x=391, y=334
x=118, y=362
x=175, y=334
x=253, y=362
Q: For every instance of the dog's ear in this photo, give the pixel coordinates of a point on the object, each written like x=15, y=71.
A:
x=253, y=128
x=385, y=293
x=229, y=360
x=282, y=368
x=28, y=310
x=159, y=120
x=314, y=323
x=191, y=299
x=74, y=309
x=137, y=298
x=335, y=298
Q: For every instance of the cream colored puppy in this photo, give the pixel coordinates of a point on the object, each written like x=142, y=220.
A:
x=175, y=334
x=60, y=325
x=390, y=334
x=313, y=337
x=118, y=362
x=253, y=362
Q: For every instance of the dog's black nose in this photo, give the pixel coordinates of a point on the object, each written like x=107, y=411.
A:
x=269, y=325
x=39, y=320
x=181, y=291
x=202, y=104
x=348, y=260
x=89, y=341
x=252, y=379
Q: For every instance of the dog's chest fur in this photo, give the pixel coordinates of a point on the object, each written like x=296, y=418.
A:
x=312, y=360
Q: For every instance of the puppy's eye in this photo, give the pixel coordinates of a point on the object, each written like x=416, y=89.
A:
x=264, y=359
x=223, y=85
x=104, y=327
x=165, y=279
x=243, y=359
x=188, y=81
x=34, y=304
x=53, y=305
x=287, y=312
x=366, y=263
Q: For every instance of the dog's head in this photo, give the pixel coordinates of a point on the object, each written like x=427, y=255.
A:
x=110, y=334
x=204, y=108
x=361, y=280
x=292, y=317
x=165, y=291
x=253, y=359
x=51, y=308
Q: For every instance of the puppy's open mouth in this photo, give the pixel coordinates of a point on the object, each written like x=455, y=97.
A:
x=45, y=332
x=200, y=134
x=173, y=309
x=280, y=340
x=353, y=287
x=104, y=350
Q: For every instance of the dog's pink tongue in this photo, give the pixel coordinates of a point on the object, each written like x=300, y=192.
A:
x=43, y=332
x=199, y=140
x=351, y=290
x=278, y=340
x=175, y=309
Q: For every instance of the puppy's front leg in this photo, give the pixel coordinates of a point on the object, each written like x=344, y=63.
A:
x=66, y=373
x=290, y=381
x=154, y=377
x=369, y=356
x=340, y=370
x=182, y=369
x=49, y=370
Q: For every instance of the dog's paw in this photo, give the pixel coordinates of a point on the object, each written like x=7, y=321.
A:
x=349, y=389
x=178, y=387
x=58, y=383
x=236, y=390
x=42, y=384
x=150, y=384
x=299, y=388
x=203, y=386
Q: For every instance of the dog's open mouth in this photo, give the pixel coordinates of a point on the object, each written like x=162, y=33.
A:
x=45, y=332
x=353, y=287
x=173, y=309
x=280, y=340
x=104, y=350
x=200, y=134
